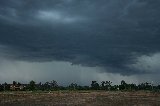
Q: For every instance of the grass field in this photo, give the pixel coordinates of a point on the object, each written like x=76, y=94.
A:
x=80, y=98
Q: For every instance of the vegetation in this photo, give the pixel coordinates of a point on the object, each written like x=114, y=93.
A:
x=97, y=94
x=53, y=86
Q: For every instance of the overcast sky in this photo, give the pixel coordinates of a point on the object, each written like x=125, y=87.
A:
x=80, y=40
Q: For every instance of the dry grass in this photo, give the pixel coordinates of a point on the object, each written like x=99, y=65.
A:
x=80, y=98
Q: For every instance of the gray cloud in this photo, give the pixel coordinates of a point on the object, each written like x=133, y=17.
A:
x=63, y=72
x=109, y=34
x=149, y=63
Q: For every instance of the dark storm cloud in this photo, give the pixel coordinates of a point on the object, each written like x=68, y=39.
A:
x=105, y=33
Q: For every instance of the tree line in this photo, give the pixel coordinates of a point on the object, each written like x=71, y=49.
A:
x=53, y=86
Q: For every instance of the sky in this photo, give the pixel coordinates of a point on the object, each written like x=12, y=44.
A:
x=80, y=40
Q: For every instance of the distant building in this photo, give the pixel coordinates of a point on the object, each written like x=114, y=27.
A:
x=17, y=87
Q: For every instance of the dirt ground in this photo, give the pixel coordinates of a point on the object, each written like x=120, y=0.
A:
x=79, y=98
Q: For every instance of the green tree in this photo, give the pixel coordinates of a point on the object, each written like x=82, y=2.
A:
x=6, y=87
x=106, y=85
x=73, y=86
x=32, y=85
x=47, y=86
x=54, y=85
x=14, y=83
x=123, y=85
x=95, y=85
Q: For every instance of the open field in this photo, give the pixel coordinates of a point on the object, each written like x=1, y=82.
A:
x=82, y=98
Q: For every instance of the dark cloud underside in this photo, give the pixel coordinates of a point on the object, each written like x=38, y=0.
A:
x=105, y=33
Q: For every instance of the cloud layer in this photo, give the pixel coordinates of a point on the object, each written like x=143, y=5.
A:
x=110, y=34
x=63, y=72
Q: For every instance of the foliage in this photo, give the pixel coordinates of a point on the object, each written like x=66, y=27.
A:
x=105, y=85
x=32, y=85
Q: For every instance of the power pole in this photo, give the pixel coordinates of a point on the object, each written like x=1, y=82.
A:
x=152, y=85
